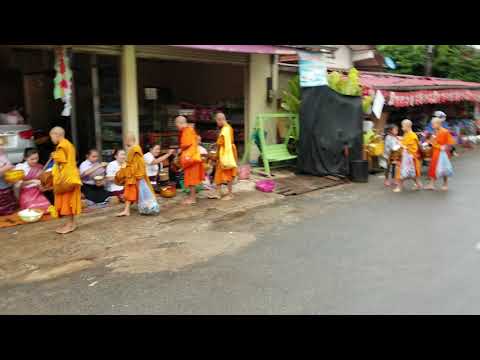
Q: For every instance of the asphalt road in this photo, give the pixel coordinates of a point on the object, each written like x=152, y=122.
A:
x=368, y=251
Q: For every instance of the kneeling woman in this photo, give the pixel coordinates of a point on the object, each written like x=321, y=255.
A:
x=89, y=169
x=8, y=203
x=31, y=196
x=112, y=170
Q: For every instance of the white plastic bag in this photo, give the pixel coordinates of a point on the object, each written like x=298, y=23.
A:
x=444, y=166
x=407, y=167
x=147, y=203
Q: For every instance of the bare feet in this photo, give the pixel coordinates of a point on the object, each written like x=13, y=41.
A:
x=214, y=195
x=417, y=187
x=188, y=202
x=444, y=188
x=123, y=213
x=65, y=229
x=227, y=197
x=387, y=183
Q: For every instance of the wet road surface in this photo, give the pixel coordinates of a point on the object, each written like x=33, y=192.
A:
x=354, y=250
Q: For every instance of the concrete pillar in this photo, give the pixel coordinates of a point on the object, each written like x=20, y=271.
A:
x=260, y=68
x=128, y=78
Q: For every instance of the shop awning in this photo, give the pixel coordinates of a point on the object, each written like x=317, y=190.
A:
x=407, y=90
x=248, y=49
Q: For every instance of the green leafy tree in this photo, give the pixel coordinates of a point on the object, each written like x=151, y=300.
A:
x=460, y=62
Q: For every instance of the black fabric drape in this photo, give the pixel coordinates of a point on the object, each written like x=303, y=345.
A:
x=328, y=122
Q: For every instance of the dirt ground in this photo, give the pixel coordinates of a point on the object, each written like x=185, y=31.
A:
x=178, y=237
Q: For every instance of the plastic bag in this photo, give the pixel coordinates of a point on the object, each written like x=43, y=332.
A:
x=266, y=186
x=407, y=167
x=147, y=203
x=244, y=172
x=444, y=166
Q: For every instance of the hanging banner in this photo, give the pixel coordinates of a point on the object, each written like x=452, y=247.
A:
x=313, y=70
x=63, y=80
x=378, y=104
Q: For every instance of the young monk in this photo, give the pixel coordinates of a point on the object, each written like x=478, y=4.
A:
x=440, y=140
x=194, y=172
x=411, y=143
x=224, y=175
x=132, y=171
x=69, y=203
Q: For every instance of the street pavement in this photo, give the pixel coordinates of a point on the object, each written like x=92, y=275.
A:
x=358, y=249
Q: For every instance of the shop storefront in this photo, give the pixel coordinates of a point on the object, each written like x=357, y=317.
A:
x=417, y=98
x=140, y=89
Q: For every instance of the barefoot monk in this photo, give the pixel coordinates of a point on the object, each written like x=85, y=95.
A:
x=226, y=169
x=132, y=171
x=66, y=180
x=190, y=159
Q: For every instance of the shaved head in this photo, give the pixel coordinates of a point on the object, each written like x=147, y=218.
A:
x=437, y=122
x=57, y=130
x=406, y=125
x=57, y=134
x=130, y=139
x=221, y=119
x=181, y=122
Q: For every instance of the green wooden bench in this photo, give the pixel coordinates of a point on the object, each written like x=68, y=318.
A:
x=273, y=153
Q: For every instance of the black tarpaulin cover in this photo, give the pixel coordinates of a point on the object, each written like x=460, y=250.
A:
x=328, y=121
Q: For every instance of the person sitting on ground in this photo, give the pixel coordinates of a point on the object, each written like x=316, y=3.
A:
x=154, y=163
x=410, y=142
x=30, y=191
x=65, y=177
x=8, y=202
x=392, y=143
x=441, y=140
x=113, y=167
x=226, y=168
x=89, y=169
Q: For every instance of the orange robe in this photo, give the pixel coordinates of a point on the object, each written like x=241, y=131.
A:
x=411, y=142
x=134, y=171
x=443, y=137
x=223, y=176
x=64, y=156
x=195, y=174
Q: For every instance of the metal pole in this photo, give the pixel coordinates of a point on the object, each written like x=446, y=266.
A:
x=428, y=67
x=96, y=103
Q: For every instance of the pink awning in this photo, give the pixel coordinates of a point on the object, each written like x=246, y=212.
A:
x=249, y=49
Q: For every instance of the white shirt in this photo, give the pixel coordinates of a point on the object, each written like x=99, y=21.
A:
x=152, y=169
x=26, y=169
x=84, y=166
x=202, y=150
x=112, y=170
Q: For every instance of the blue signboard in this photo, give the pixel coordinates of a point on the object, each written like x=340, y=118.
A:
x=313, y=70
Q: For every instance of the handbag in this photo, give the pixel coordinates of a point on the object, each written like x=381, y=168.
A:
x=64, y=181
x=187, y=160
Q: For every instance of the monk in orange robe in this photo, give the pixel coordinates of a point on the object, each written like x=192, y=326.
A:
x=132, y=171
x=440, y=141
x=226, y=169
x=410, y=142
x=190, y=158
x=68, y=204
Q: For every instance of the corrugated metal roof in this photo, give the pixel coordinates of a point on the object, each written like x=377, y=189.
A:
x=398, y=82
x=249, y=49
